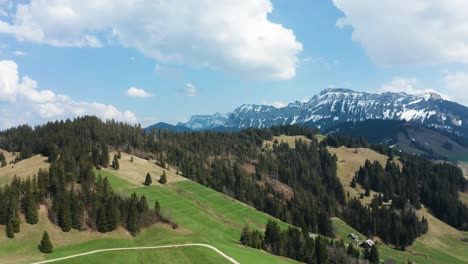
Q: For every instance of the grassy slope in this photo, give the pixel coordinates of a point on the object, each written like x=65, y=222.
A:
x=442, y=244
x=135, y=172
x=290, y=140
x=204, y=216
x=194, y=255
x=23, y=169
x=349, y=163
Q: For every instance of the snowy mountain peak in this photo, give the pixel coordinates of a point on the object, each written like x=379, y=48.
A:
x=337, y=105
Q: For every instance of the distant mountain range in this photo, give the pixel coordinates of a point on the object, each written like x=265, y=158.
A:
x=335, y=106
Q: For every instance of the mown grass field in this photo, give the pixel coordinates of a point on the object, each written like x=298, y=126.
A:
x=183, y=255
x=204, y=216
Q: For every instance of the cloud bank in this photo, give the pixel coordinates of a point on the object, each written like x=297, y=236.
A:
x=21, y=101
x=236, y=37
x=416, y=32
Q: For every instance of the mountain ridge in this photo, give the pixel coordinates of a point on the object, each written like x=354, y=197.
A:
x=338, y=105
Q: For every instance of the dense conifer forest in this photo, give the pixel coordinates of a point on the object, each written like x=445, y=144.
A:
x=298, y=185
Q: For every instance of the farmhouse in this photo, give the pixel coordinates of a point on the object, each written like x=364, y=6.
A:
x=367, y=244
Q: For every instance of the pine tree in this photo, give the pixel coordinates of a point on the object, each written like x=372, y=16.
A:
x=374, y=255
x=9, y=229
x=148, y=180
x=115, y=162
x=245, y=237
x=30, y=209
x=353, y=183
x=104, y=158
x=157, y=208
x=77, y=211
x=101, y=220
x=142, y=205
x=46, y=246
x=3, y=162
x=113, y=215
x=163, y=179
x=133, y=223
x=65, y=216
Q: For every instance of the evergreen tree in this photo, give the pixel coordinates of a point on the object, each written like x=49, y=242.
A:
x=245, y=236
x=163, y=179
x=101, y=221
x=157, y=208
x=65, y=217
x=133, y=223
x=77, y=211
x=31, y=214
x=104, y=157
x=16, y=224
x=115, y=162
x=113, y=215
x=9, y=229
x=46, y=246
x=3, y=162
x=148, y=180
x=142, y=205
x=353, y=183
x=373, y=256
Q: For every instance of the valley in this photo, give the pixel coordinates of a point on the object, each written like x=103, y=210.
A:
x=196, y=214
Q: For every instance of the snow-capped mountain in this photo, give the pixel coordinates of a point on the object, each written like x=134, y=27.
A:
x=333, y=106
x=205, y=122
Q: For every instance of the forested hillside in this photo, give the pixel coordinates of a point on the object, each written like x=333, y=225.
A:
x=297, y=185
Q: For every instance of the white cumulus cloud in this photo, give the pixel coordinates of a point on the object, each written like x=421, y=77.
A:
x=236, y=36
x=189, y=90
x=22, y=94
x=409, y=86
x=137, y=92
x=400, y=32
x=456, y=84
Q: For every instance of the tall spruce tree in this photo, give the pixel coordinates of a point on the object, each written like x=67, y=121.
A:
x=9, y=229
x=3, y=162
x=115, y=163
x=46, y=246
x=157, y=208
x=104, y=157
x=29, y=203
x=148, y=180
x=65, y=216
x=163, y=179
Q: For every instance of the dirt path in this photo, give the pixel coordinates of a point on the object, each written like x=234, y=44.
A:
x=142, y=248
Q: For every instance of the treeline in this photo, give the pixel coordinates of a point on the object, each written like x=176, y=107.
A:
x=299, y=245
x=78, y=135
x=337, y=140
x=436, y=185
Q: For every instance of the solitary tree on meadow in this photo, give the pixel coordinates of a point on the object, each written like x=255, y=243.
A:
x=148, y=180
x=163, y=179
x=46, y=246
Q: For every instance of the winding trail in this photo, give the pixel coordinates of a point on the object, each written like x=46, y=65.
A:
x=141, y=248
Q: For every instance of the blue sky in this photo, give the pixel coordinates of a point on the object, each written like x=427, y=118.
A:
x=201, y=57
